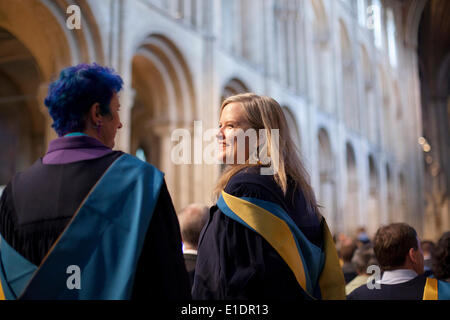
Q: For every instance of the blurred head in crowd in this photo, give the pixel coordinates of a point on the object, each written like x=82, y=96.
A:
x=397, y=246
x=347, y=250
x=441, y=258
x=427, y=249
x=362, y=237
x=192, y=219
x=363, y=257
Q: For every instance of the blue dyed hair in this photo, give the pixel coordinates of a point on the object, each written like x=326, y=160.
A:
x=77, y=89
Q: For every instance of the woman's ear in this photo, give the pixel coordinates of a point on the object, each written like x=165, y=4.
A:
x=95, y=114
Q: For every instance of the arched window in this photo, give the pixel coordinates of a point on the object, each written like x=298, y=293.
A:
x=249, y=12
x=290, y=44
x=164, y=99
x=293, y=127
x=386, y=123
x=327, y=196
x=375, y=16
x=391, y=35
x=350, y=107
x=362, y=12
x=368, y=96
x=229, y=28
x=321, y=57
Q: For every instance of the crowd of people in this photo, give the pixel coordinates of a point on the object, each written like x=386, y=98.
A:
x=88, y=222
x=403, y=276
x=399, y=255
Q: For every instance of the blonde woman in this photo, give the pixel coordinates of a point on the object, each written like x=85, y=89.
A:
x=265, y=238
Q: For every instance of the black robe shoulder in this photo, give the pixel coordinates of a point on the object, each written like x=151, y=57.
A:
x=235, y=262
x=37, y=204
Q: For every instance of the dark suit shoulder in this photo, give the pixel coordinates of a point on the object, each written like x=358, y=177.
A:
x=410, y=290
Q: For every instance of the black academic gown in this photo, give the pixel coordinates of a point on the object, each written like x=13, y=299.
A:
x=235, y=262
x=190, y=261
x=35, y=209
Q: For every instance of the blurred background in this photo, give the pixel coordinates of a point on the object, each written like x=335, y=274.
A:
x=364, y=85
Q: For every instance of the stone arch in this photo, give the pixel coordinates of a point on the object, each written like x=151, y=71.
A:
x=232, y=87
x=373, y=205
x=412, y=20
x=41, y=26
x=22, y=125
x=90, y=40
x=351, y=202
x=164, y=100
x=327, y=179
x=293, y=127
x=35, y=45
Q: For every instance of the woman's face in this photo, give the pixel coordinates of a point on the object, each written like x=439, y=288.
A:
x=232, y=124
x=111, y=122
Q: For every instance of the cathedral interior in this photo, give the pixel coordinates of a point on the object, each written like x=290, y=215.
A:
x=364, y=85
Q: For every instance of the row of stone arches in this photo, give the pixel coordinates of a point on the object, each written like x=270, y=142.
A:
x=360, y=208
x=162, y=93
x=35, y=45
x=361, y=110
x=163, y=100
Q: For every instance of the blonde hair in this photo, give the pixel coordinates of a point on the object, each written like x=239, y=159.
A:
x=263, y=112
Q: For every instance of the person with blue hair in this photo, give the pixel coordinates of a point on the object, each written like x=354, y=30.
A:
x=86, y=221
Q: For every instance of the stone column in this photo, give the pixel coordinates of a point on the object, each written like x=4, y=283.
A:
x=163, y=131
x=291, y=46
